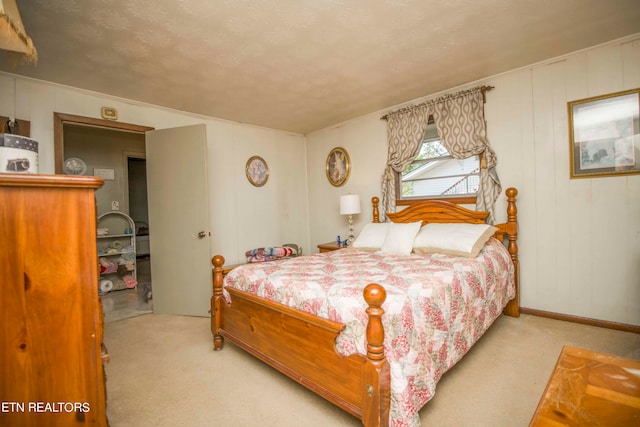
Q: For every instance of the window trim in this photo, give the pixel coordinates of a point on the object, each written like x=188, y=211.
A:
x=471, y=200
x=460, y=200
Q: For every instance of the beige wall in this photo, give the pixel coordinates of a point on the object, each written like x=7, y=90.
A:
x=579, y=239
x=105, y=149
x=365, y=139
x=242, y=216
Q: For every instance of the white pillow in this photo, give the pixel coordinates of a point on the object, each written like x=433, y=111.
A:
x=400, y=237
x=459, y=239
x=372, y=236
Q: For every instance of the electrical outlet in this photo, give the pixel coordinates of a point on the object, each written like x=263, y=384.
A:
x=115, y=205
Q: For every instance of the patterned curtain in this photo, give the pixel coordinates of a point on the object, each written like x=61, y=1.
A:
x=460, y=122
x=405, y=130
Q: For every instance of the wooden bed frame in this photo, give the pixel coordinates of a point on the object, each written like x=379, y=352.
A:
x=302, y=346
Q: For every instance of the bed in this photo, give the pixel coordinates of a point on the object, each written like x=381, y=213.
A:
x=354, y=356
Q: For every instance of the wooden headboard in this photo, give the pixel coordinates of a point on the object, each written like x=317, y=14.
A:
x=444, y=211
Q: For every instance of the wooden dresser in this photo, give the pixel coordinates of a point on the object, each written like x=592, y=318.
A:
x=51, y=322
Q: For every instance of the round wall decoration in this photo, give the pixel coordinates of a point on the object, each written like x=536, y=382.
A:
x=257, y=171
x=338, y=166
x=74, y=166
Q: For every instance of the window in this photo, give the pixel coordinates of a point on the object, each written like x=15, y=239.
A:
x=436, y=174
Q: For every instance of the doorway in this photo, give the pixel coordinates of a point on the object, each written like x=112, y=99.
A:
x=139, y=212
x=176, y=161
x=118, y=156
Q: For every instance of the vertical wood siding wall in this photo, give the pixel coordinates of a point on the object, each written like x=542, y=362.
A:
x=242, y=216
x=580, y=237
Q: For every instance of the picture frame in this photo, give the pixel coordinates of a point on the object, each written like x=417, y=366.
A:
x=604, y=135
x=257, y=171
x=338, y=166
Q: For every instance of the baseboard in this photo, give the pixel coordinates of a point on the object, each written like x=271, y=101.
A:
x=583, y=320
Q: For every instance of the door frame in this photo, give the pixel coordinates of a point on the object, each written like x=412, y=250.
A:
x=59, y=119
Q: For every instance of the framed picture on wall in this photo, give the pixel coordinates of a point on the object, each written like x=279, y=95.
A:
x=257, y=171
x=604, y=135
x=338, y=166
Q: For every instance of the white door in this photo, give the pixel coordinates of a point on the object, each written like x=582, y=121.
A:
x=179, y=220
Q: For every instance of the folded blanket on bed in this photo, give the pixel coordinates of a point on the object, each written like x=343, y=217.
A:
x=270, y=253
x=261, y=258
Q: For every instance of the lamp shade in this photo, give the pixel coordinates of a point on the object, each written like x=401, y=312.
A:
x=350, y=204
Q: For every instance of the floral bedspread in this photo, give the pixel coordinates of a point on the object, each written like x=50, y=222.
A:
x=437, y=307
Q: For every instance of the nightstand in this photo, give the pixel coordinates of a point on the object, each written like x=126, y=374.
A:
x=331, y=246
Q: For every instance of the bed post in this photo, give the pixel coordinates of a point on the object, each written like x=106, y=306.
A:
x=216, y=301
x=376, y=212
x=513, y=307
x=375, y=395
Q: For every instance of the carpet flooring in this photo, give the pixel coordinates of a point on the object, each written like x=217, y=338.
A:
x=164, y=373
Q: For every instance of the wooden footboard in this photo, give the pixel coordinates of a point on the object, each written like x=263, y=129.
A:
x=302, y=346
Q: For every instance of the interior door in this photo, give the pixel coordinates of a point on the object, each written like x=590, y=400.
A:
x=179, y=239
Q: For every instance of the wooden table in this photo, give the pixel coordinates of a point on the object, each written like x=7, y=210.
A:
x=330, y=246
x=590, y=389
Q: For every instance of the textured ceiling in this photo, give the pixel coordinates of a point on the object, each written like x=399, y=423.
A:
x=301, y=65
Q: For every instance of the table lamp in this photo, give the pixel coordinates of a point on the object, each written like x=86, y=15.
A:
x=350, y=205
